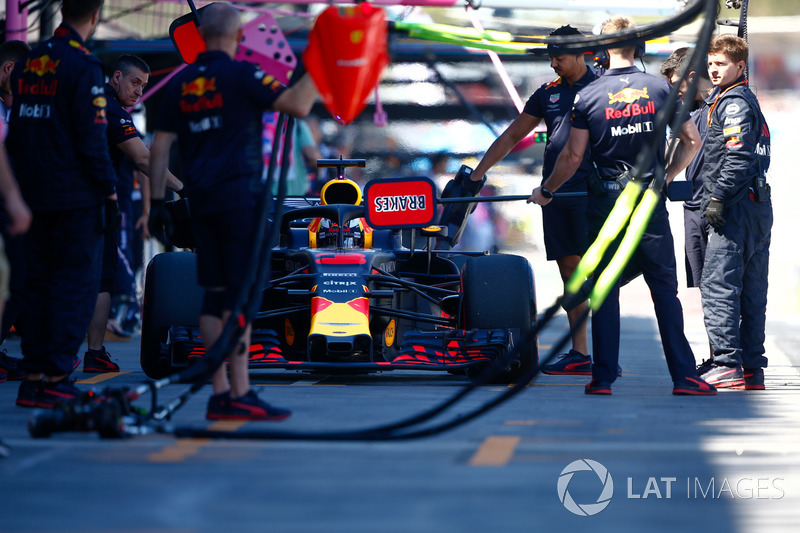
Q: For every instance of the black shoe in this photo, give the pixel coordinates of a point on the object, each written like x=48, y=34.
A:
x=10, y=366
x=692, y=386
x=53, y=392
x=723, y=377
x=753, y=378
x=248, y=407
x=98, y=361
x=573, y=363
x=705, y=366
x=597, y=386
x=218, y=404
x=29, y=391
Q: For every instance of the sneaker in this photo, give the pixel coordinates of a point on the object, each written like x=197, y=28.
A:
x=692, y=386
x=28, y=395
x=10, y=366
x=723, y=377
x=753, y=378
x=218, y=403
x=597, y=386
x=248, y=407
x=573, y=363
x=58, y=391
x=705, y=366
x=98, y=361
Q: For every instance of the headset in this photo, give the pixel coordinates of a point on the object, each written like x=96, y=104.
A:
x=601, y=58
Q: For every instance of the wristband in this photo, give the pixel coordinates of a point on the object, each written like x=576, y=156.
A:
x=547, y=194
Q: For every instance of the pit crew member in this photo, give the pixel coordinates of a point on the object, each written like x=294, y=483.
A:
x=736, y=203
x=616, y=114
x=213, y=108
x=57, y=136
x=564, y=219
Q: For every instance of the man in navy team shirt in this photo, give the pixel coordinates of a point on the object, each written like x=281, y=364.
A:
x=129, y=77
x=213, y=108
x=57, y=136
x=564, y=220
x=616, y=115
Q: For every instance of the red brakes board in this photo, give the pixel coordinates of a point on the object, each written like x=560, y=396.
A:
x=400, y=203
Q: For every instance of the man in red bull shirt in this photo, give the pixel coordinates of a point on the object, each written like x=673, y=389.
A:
x=129, y=77
x=57, y=136
x=213, y=108
x=616, y=114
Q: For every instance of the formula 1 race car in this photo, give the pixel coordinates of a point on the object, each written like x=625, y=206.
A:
x=357, y=286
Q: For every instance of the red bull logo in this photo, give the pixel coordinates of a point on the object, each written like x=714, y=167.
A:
x=627, y=95
x=41, y=65
x=198, y=89
x=270, y=81
x=199, y=86
x=631, y=110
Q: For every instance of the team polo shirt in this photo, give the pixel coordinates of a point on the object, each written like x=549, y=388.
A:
x=215, y=107
x=120, y=129
x=553, y=103
x=57, y=133
x=619, y=110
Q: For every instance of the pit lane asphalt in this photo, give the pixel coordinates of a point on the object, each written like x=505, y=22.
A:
x=724, y=463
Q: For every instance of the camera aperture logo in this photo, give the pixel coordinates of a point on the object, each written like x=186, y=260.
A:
x=585, y=509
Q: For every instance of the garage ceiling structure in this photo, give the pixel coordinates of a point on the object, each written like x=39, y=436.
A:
x=426, y=81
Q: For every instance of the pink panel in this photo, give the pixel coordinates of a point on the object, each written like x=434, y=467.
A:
x=265, y=45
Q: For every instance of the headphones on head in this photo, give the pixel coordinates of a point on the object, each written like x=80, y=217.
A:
x=601, y=57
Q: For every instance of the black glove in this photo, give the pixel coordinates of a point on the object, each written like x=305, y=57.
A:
x=160, y=221
x=713, y=213
x=113, y=217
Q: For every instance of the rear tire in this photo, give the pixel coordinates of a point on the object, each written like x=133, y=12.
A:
x=172, y=297
x=499, y=293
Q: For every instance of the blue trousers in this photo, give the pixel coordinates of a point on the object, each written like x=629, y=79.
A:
x=655, y=257
x=63, y=252
x=734, y=284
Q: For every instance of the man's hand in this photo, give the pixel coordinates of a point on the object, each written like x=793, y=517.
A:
x=19, y=213
x=160, y=221
x=538, y=198
x=713, y=213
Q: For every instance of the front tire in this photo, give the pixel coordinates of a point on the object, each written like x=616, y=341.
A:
x=172, y=297
x=499, y=293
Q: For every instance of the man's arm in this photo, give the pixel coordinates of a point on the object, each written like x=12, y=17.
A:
x=140, y=155
x=298, y=99
x=15, y=206
x=688, y=145
x=502, y=146
x=159, y=159
x=567, y=164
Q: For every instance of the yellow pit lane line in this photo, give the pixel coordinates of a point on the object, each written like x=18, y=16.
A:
x=178, y=452
x=99, y=378
x=496, y=450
